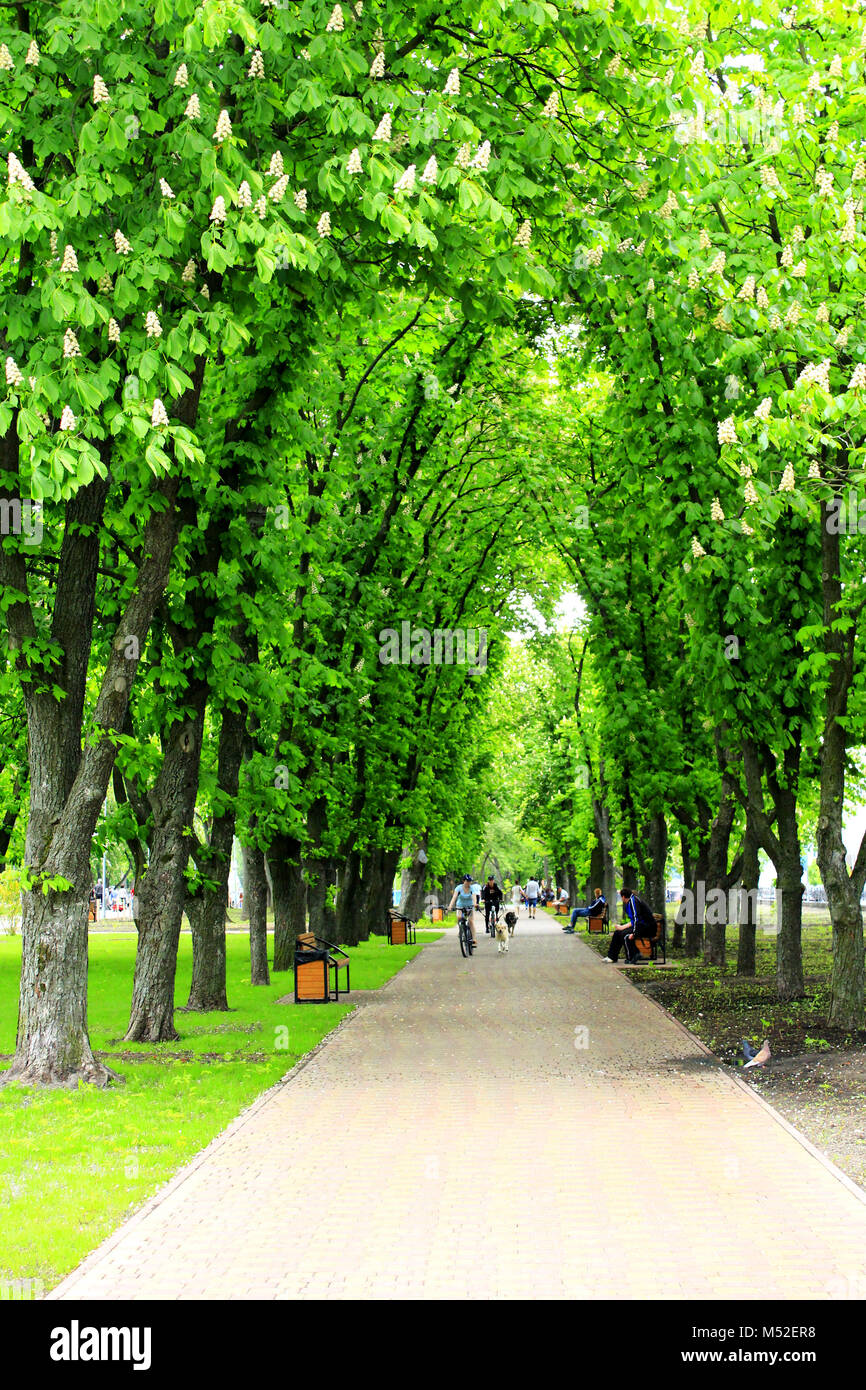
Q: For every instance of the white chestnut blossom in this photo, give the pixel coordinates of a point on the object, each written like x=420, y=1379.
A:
x=67, y=419
x=732, y=387
x=824, y=181
x=245, y=197
x=159, y=415
x=223, y=127
x=383, y=129
x=152, y=325
x=789, y=481
x=762, y=299
x=822, y=314
x=746, y=528
x=792, y=318
x=747, y=290
x=165, y=189
x=694, y=279
x=406, y=181
x=799, y=270
x=452, y=83
x=858, y=378
x=70, y=344
x=762, y=412
x=697, y=549
x=257, y=65
x=336, y=24
x=18, y=174
x=696, y=67
x=842, y=337
x=377, y=67
x=716, y=513
x=614, y=65
x=551, y=106
x=193, y=108
x=353, y=165
x=463, y=157
x=858, y=173
x=278, y=190
x=32, y=59
x=704, y=240
x=832, y=132
x=113, y=331
x=669, y=205
x=750, y=493
x=188, y=273
x=787, y=257
x=100, y=91
x=218, y=211
x=181, y=77
x=69, y=264
x=524, y=235
x=836, y=67
x=14, y=375
x=798, y=235
x=431, y=171
x=814, y=470
x=775, y=322
x=261, y=207
x=121, y=245
x=594, y=255
x=482, y=156
x=727, y=431
x=323, y=226
x=275, y=168
x=717, y=266
x=300, y=199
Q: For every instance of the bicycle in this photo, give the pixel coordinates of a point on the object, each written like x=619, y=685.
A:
x=492, y=919
x=464, y=931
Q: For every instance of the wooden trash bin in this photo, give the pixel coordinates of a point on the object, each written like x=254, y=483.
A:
x=437, y=914
x=401, y=932
x=317, y=970
x=91, y=910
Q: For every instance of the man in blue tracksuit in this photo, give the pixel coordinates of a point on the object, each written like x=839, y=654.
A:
x=639, y=922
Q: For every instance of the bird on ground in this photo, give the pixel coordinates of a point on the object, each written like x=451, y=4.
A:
x=760, y=1058
x=748, y=1051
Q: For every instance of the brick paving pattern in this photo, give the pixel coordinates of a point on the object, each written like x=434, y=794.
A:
x=455, y=1139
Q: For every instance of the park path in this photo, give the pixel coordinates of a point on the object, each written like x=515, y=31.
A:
x=451, y=1140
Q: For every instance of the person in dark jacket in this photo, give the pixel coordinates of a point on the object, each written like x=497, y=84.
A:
x=593, y=909
x=639, y=922
x=491, y=896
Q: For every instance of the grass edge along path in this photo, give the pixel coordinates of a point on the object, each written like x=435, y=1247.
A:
x=75, y=1164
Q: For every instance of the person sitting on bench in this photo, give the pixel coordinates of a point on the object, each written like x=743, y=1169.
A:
x=593, y=909
x=639, y=922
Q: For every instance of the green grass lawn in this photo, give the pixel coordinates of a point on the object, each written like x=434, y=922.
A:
x=74, y=1164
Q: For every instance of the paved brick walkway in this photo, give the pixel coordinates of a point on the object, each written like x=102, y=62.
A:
x=452, y=1140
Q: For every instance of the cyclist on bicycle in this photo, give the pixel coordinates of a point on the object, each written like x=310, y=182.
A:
x=464, y=899
x=491, y=896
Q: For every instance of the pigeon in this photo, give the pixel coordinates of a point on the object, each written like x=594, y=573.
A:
x=748, y=1051
x=760, y=1058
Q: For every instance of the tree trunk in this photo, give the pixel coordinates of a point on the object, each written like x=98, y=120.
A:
x=843, y=889
x=53, y=1043
x=789, y=949
x=694, y=919
x=715, y=940
x=256, y=898
x=290, y=898
x=208, y=988
x=350, y=928
x=749, y=906
x=413, y=882
x=161, y=897
x=654, y=885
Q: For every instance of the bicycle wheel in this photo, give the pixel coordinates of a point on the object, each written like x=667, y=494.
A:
x=463, y=933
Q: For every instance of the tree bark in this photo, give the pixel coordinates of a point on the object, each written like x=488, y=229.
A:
x=256, y=897
x=161, y=896
x=413, y=882
x=749, y=907
x=654, y=884
x=290, y=898
x=843, y=889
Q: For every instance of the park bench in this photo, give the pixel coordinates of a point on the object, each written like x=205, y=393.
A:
x=560, y=909
x=648, y=946
x=601, y=923
x=317, y=970
x=401, y=931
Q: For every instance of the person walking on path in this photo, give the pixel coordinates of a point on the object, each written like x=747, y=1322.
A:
x=592, y=909
x=531, y=892
x=639, y=922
